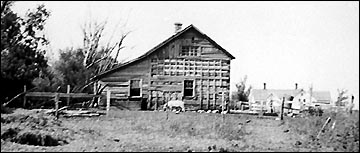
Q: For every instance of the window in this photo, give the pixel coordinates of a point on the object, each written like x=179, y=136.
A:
x=135, y=88
x=188, y=88
x=190, y=51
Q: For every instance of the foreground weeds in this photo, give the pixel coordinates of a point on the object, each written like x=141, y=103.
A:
x=154, y=131
x=341, y=134
x=33, y=128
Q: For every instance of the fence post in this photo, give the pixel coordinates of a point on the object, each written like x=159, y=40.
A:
x=282, y=109
x=24, y=102
x=223, y=105
x=68, y=98
x=201, y=96
x=108, y=94
x=208, y=99
x=149, y=100
x=222, y=100
x=56, y=99
x=157, y=99
x=93, y=100
x=214, y=97
x=323, y=127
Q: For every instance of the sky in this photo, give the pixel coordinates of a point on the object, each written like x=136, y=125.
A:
x=277, y=43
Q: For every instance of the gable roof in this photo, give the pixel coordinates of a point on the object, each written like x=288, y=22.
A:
x=161, y=45
x=263, y=94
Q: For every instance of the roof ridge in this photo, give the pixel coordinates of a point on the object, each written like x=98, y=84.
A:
x=160, y=45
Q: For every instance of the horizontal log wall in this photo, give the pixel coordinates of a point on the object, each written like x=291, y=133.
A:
x=163, y=73
x=118, y=82
x=210, y=78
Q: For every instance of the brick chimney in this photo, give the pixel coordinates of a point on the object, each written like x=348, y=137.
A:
x=264, y=86
x=177, y=26
x=296, y=86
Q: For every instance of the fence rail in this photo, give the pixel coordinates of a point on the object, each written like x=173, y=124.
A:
x=61, y=95
x=56, y=95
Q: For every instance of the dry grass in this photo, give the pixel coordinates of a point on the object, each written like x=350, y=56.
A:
x=161, y=131
x=343, y=137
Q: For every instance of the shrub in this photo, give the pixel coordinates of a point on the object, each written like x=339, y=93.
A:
x=37, y=139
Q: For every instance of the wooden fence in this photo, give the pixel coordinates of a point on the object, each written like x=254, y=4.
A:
x=56, y=95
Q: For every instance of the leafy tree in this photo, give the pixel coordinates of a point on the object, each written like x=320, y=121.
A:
x=73, y=72
x=22, y=48
x=342, y=97
x=48, y=81
x=242, y=93
x=70, y=66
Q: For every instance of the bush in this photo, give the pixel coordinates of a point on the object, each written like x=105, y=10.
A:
x=38, y=139
x=313, y=111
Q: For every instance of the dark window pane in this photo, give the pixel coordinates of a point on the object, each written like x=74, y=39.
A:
x=188, y=92
x=135, y=88
x=188, y=87
x=135, y=92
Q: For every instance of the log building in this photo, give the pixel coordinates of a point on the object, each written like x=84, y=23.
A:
x=189, y=65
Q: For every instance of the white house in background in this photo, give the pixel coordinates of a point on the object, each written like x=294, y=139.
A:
x=296, y=99
x=267, y=99
x=318, y=98
x=303, y=99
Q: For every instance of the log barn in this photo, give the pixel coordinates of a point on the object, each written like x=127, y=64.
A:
x=188, y=66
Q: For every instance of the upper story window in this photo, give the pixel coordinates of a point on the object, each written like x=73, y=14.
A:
x=190, y=51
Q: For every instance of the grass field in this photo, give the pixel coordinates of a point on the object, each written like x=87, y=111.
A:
x=32, y=130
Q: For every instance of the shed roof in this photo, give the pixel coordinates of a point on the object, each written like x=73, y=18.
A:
x=162, y=44
x=322, y=96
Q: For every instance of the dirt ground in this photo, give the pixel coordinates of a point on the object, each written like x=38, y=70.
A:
x=161, y=131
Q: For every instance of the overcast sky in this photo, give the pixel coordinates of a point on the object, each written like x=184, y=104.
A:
x=280, y=43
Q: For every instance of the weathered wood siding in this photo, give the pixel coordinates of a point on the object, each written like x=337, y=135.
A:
x=210, y=70
x=163, y=73
x=118, y=83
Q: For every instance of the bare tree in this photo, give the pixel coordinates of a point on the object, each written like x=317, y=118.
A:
x=93, y=33
x=98, y=57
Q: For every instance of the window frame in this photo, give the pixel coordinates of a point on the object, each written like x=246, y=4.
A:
x=193, y=88
x=190, y=51
x=140, y=87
